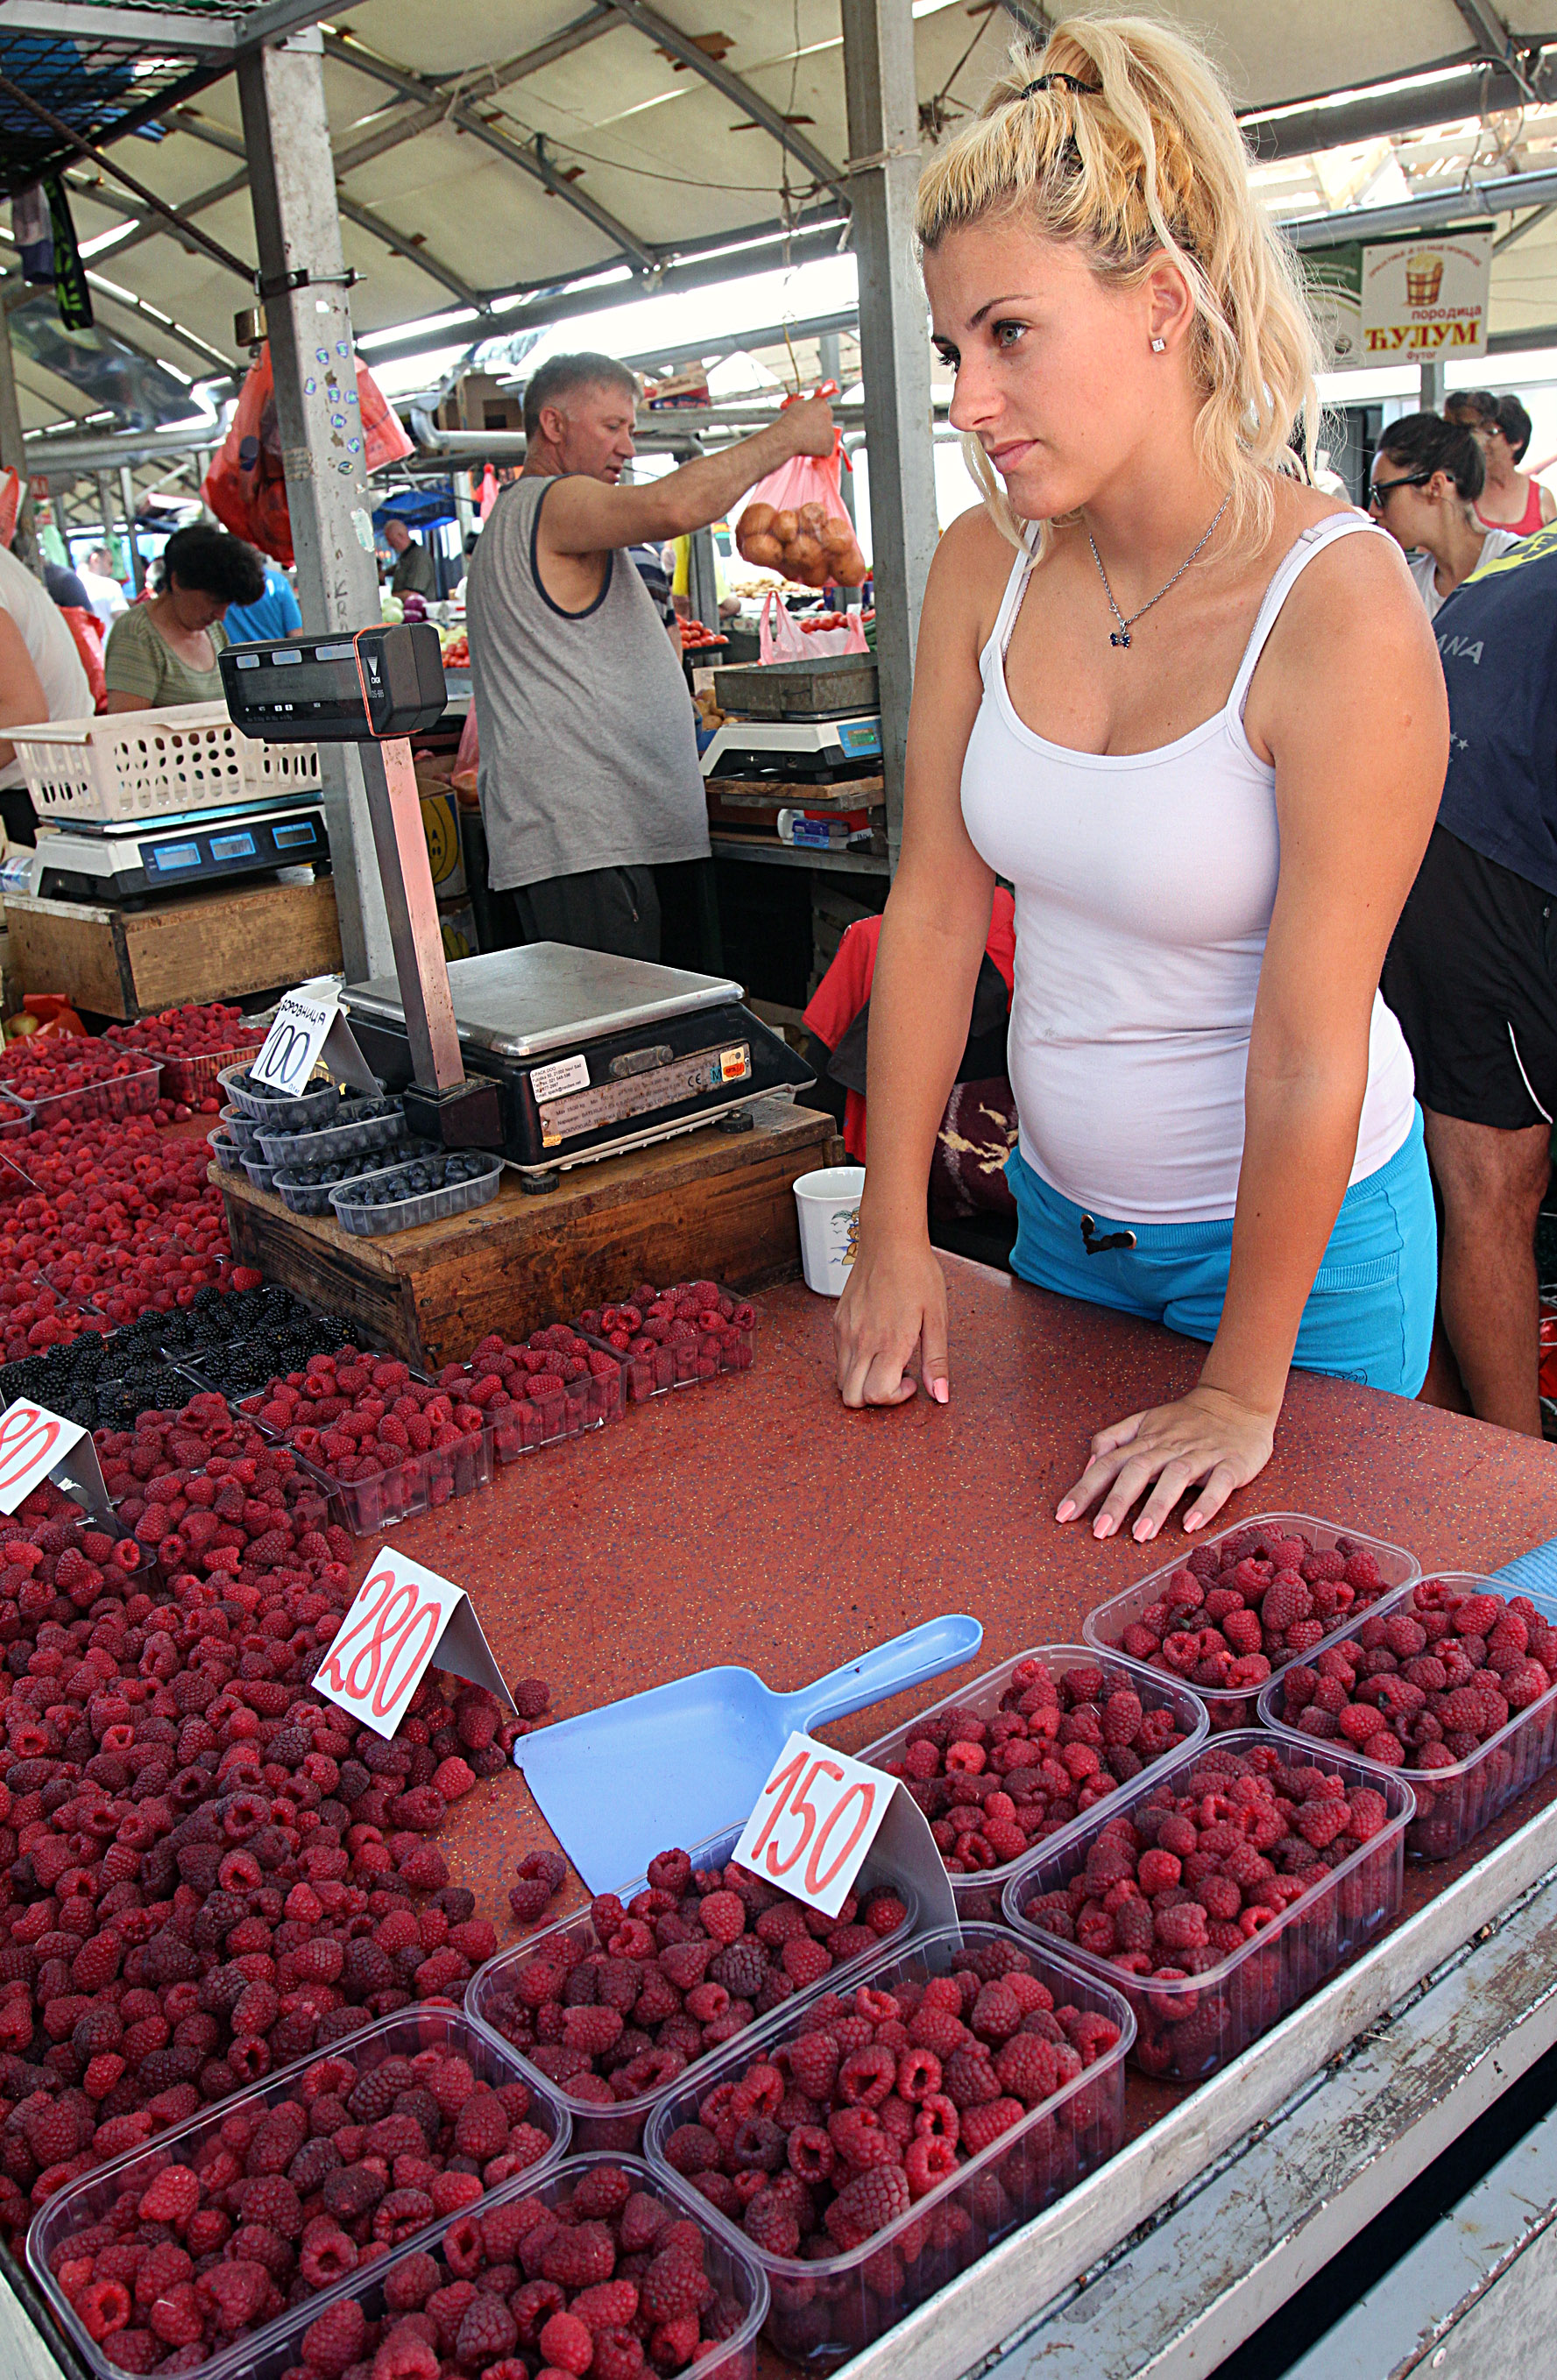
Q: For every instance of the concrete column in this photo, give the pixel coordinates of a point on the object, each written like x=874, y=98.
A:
x=127, y=497
x=895, y=354
x=1432, y=384
x=297, y=229
x=24, y=545
x=106, y=507
x=702, y=578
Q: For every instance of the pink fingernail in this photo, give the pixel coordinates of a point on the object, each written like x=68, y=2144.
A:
x=939, y=1392
x=1066, y=1510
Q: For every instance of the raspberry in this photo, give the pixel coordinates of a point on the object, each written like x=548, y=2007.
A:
x=567, y=2344
x=580, y=2257
x=487, y=2330
x=610, y=2305
x=480, y=2127
x=233, y=2292
x=722, y=1915
x=983, y=2125
x=618, y=2355
x=336, y=2340
x=172, y=2197
x=771, y=2225
x=865, y=2205
x=1027, y=2068
x=674, y=2285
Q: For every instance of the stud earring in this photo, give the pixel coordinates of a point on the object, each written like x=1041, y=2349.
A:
x=1158, y=345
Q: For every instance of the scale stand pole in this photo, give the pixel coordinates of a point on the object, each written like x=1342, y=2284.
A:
x=443, y=1104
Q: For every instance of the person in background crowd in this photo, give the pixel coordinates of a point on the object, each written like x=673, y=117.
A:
x=41, y=677
x=1209, y=781
x=590, y=791
x=415, y=572
x=86, y=629
x=103, y=591
x=1472, y=975
x=1500, y=426
x=164, y=651
x=650, y=564
x=1427, y=476
x=276, y=614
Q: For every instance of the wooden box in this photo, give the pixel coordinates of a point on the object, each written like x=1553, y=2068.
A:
x=217, y=945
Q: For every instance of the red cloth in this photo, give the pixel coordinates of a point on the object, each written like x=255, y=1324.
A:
x=86, y=629
x=1529, y=519
x=846, y=988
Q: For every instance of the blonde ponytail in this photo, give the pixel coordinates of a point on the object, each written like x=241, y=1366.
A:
x=1146, y=161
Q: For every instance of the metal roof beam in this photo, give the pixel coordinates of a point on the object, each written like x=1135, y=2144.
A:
x=1488, y=198
x=666, y=36
x=348, y=51
x=409, y=121
x=735, y=342
x=1532, y=222
x=215, y=136
x=1473, y=89
x=1488, y=28
x=184, y=31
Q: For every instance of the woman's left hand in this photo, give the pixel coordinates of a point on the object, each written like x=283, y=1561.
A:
x=1208, y=1436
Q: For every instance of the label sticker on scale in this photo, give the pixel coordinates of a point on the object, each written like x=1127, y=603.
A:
x=554, y=1081
x=646, y=1092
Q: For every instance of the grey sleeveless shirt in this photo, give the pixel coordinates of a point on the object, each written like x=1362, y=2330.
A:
x=588, y=754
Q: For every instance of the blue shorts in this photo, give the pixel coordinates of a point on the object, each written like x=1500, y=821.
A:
x=1369, y=1313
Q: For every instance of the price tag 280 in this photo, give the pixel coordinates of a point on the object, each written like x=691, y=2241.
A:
x=401, y=1615
x=815, y=1820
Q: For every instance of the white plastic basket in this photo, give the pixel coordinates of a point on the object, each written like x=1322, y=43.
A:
x=141, y=764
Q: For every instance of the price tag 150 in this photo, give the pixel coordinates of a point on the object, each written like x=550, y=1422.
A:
x=33, y=1440
x=815, y=1820
x=400, y=1616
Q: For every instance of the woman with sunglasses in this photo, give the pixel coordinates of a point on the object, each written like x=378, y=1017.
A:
x=1192, y=711
x=1502, y=428
x=1427, y=476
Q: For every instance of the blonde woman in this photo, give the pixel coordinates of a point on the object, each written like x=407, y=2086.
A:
x=1193, y=711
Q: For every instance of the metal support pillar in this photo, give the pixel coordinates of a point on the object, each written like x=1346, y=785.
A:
x=107, y=508
x=1432, y=384
x=895, y=355
x=24, y=544
x=702, y=578
x=286, y=131
x=127, y=497
x=395, y=808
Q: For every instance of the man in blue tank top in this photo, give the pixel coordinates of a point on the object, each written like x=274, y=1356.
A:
x=590, y=791
x=1472, y=975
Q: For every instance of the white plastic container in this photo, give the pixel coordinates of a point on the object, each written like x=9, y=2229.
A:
x=828, y=1203
x=139, y=764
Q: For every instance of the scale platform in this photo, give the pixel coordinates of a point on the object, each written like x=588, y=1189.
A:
x=796, y=748
x=595, y=1054
x=139, y=861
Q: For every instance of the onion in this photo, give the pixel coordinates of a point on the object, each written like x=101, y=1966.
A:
x=756, y=521
x=764, y=550
x=783, y=526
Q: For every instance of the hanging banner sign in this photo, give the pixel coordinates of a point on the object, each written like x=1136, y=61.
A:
x=402, y=1614
x=1404, y=300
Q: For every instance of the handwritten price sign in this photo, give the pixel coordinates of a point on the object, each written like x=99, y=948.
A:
x=816, y=1818
x=33, y=1440
x=401, y=1616
x=293, y=1044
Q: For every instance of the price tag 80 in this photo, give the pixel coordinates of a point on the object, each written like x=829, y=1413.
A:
x=815, y=1820
x=33, y=1440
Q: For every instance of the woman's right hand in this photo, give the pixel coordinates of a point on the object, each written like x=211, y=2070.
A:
x=892, y=1309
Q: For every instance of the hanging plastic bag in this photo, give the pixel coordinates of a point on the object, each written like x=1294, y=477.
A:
x=795, y=521
x=837, y=631
x=10, y=503
x=466, y=759
x=782, y=642
x=487, y=496
x=245, y=486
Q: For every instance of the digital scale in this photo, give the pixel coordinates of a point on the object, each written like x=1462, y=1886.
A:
x=795, y=749
x=139, y=860
x=593, y=1054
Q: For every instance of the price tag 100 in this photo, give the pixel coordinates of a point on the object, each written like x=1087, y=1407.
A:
x=815, y=1820
x=33, y=1440
x=294, y=1042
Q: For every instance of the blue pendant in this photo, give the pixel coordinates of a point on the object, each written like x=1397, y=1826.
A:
x=1120, y=637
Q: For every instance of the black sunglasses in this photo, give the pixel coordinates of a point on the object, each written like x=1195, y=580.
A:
x=1380, y=490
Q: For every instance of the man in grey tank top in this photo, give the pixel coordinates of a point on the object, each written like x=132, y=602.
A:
x=589, y=775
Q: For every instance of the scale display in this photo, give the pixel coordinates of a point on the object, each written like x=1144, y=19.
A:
x=380, y=682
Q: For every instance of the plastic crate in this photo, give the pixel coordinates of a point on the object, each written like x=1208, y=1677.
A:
x=15, y=1116
x=144, y=764
x=93, y=2199
x=420, y=1484
x=306, y=1113
x=116, y=1096
x=621, y=2127
x=313, y=1197
x=530, y=1422
x=242, y=1129
x=195, y=1078
x=1453, y=1805
x=681, y=1363
x=1190, y=2026
x=730, y=2265
x=261, y=1175
x=825, y=2309
x=347, y=1136
x=979, y=1896
x=421, y=1207
x=1103, y=1628
x=224, y=1150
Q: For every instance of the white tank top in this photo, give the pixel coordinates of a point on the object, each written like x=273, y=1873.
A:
x=1145, y=883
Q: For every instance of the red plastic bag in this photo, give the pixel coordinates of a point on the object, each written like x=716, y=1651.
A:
x=795, y=521
x=468, y=758
x=10, y=503
x=86, y=629
x=245, y=486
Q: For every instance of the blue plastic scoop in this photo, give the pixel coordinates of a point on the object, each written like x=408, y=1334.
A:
x=664, y=1769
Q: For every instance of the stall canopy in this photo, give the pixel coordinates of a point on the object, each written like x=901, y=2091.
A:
x=505, y=161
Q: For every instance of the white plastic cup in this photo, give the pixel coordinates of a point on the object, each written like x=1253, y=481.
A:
x=828, y=1203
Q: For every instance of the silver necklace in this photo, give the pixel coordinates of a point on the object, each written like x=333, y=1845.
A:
x=1121, y=635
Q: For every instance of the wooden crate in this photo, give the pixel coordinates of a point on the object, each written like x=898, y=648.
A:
x=217, y=945
x=709, y=1204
